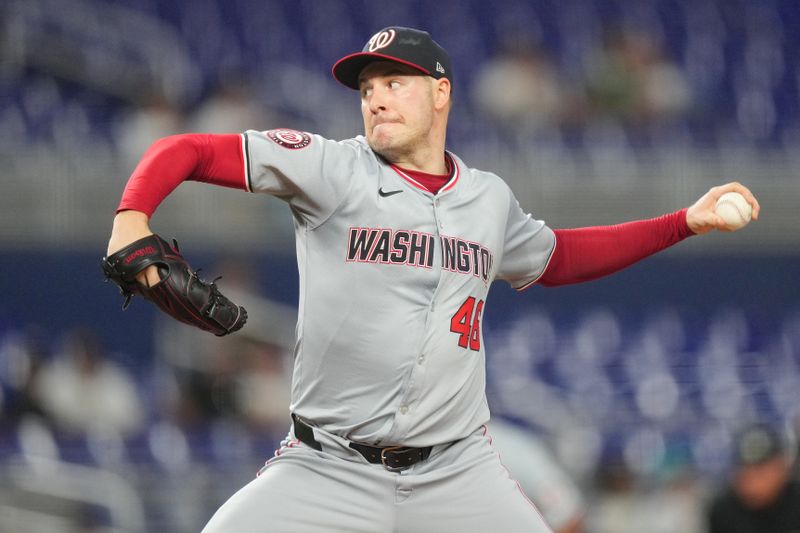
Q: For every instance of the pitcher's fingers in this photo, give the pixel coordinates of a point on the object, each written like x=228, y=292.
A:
x=748, y=195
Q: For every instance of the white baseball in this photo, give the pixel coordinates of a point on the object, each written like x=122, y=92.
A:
x=734, y=210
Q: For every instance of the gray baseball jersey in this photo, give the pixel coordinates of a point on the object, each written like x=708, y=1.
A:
x=393, y=285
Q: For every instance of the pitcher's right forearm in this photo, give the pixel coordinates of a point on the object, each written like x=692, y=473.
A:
x=215, y=159
x=129, y=226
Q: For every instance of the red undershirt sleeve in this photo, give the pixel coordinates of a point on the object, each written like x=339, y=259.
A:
x=216, y=159
x=584, y=254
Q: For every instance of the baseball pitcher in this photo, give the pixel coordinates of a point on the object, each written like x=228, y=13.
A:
x=398, y=242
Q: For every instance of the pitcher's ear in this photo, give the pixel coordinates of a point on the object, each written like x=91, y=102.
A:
x=442, y=96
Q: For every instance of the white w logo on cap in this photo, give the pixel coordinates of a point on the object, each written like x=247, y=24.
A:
x=382, y=39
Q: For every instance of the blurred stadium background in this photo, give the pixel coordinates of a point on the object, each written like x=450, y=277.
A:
x=113, y=421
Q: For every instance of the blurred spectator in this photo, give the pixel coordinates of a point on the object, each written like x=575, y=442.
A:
x=263, y=392
x=541, y=477
x=243, y=377
x=618, y=504
x=629, y=502
x=629, y=79
x=82, y=389
x=763, y=496
x=519, y=90
x=199, y=393
x=137, y=128
x=22, y=356
x=676, y=502
x=230, y=108
x=246, y=381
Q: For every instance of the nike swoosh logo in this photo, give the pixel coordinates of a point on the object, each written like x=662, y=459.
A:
x=388, y=193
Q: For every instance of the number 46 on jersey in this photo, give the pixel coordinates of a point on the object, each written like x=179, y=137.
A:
x=467, y=323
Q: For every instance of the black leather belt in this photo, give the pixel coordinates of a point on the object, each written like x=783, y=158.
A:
x=394, y=458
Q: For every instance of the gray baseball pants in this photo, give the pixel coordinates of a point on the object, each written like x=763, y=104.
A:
x=461, y=487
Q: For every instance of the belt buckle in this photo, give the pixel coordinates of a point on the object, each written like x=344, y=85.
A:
x=383, y=459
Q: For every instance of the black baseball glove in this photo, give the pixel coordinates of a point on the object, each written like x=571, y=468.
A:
x=180, y=293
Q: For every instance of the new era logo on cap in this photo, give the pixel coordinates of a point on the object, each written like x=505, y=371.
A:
x=408, y=46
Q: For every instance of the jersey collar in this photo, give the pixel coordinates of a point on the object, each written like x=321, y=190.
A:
x=454, y=174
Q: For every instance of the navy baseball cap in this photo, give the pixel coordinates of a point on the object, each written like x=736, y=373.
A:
x=408, y=46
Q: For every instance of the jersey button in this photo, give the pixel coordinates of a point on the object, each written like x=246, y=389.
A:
x=421, y=359
x=403, y=409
